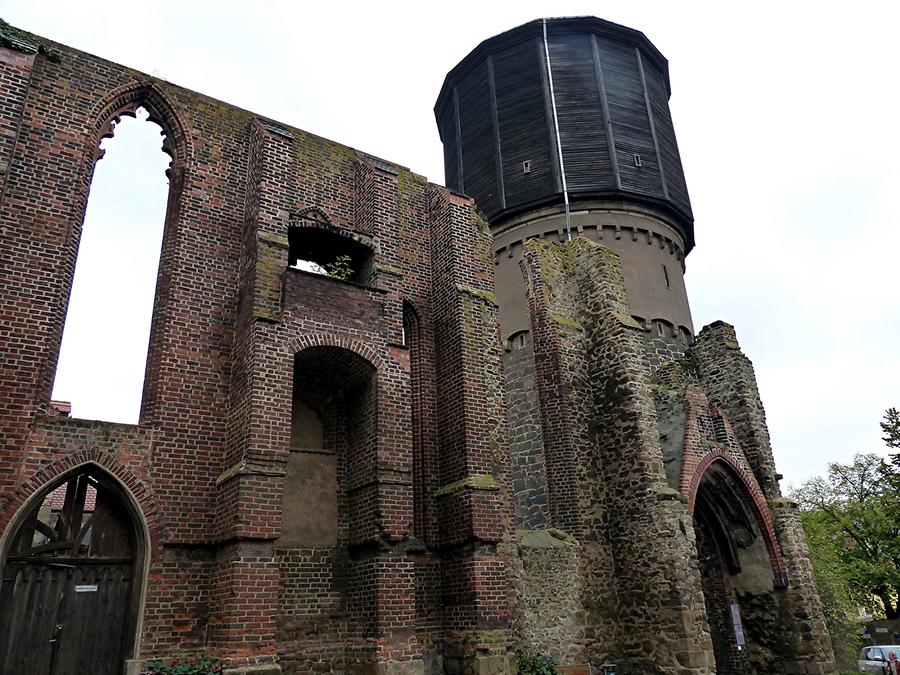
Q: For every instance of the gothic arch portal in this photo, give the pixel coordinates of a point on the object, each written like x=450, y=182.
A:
x=73, y=570
x=740, y=563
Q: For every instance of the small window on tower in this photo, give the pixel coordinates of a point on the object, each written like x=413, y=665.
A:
x=666, y=276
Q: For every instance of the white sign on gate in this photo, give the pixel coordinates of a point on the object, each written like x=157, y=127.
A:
x=738, y=626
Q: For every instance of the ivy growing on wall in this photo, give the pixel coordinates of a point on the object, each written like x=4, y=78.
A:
x=20, y=41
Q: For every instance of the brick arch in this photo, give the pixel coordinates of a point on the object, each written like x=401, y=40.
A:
x=344, y=342
x=753, y=497
x=108, y=464
x=126, y=100
x=99, y=124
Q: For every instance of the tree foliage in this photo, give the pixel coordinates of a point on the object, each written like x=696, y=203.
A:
x=852, y=519
x=341, y=268
x=891, y=429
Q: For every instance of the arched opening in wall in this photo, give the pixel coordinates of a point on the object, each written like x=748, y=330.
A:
x=329, y=476
x=412, y=339
x=324, y=251
x=72, y=574
x=737, y=574
x=103, y=356
x=333, y=426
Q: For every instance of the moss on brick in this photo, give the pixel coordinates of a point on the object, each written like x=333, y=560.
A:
x=487, y=296
x=563, y=320
x=274, y=239
x=388, y=269
x=550, y=538
x=475, y=482
x=21, y=41
x=629, y=321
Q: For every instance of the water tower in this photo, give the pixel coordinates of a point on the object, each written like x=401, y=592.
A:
x=561, y=127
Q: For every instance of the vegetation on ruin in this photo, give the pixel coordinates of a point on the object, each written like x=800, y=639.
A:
x=852, y=522
x=341, y=268
x=190, y=666
x=536, y=664
x=20, y=41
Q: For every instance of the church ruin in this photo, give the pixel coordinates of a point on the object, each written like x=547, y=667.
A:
x=489, y=425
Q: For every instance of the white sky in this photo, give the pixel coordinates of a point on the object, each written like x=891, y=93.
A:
x=786, y=116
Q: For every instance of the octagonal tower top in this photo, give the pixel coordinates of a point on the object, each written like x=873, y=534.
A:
x=568, y=108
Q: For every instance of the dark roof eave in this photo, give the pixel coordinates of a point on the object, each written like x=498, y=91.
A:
x=535, y=28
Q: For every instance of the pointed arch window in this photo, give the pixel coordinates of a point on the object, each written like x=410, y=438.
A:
x=103, y=359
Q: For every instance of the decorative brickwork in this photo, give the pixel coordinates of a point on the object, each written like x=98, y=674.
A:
x=348, y=474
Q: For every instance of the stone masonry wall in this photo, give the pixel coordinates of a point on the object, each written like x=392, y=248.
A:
x=785, y=626
x=526, y=440
x=636, y=528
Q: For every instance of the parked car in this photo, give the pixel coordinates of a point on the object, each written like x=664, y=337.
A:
x=874, y=659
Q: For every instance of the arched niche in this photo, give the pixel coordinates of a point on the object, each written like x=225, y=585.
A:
x=333, y=436
x=73, y=563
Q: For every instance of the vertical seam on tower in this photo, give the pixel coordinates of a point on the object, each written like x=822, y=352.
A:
x=659, y=162
x=459, y=156
x=548, y=113
x=604, y=106
x=498, y=158
x=562, y=165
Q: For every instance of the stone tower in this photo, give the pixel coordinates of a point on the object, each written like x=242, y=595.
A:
x=651, y=530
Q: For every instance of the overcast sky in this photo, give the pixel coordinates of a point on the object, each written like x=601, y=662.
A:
x=786, y=115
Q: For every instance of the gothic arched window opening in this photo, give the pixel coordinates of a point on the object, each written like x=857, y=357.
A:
x=103, y=356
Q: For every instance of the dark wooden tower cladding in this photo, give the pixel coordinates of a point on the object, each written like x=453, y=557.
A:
x=574, y=110
x=611, y=87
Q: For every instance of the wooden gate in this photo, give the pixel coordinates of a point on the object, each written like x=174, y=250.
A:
x=68, y=595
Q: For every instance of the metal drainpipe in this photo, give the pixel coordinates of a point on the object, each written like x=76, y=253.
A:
x=562, y=166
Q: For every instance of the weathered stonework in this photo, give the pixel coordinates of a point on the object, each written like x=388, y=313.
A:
x=594, y=379
x=356, y=475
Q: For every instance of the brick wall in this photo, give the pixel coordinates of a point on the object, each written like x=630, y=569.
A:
x=211, y=451
x=423, y=569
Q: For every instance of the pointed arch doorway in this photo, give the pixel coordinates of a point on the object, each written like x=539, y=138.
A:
x=72, y=574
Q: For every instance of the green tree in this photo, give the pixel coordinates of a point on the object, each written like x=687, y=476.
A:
x=891, y=429
x=852, y=520
x=341, y=268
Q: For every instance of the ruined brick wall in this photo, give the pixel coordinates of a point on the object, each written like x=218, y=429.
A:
x=210, y=458
x=464, y=520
